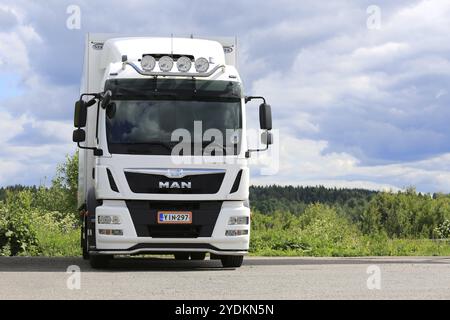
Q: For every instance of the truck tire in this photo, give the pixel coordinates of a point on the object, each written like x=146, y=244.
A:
x=232, y=261
x=98, y=261
x=84, y=240
x=89, y=221
x=198, y=256
x=181, y=256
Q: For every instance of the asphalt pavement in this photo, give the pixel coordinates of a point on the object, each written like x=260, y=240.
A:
x=258, y=278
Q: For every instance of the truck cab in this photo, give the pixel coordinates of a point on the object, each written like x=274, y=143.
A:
x=163, y=155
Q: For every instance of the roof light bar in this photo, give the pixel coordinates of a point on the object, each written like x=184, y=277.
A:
x=177, y=74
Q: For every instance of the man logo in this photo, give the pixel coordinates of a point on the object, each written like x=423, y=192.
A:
x=175, y=173
x=228, y=49
x=175, y=185
x=97, y=45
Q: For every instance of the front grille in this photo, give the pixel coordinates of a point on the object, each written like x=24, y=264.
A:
x=149, y=183
x=144, y=215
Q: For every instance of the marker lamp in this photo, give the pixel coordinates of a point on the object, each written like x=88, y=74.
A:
x=235, y=233
x=111, y=232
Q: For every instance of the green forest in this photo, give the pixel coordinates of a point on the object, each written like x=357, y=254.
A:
x=286, y=220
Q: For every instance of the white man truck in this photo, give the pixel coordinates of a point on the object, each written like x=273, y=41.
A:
x=163, y=155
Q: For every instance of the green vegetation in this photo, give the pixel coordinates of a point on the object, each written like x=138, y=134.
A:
x=40, y=220
x=293, y=221
x=322, y=231
x=340, y=223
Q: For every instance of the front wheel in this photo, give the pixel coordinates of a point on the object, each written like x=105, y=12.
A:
x=232, y=261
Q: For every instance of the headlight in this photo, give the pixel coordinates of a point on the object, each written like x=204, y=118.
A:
x=238, y=221
x=184, y=64
x=165, y=63
x=108, y=220
x=148, y=63
x=201, y=65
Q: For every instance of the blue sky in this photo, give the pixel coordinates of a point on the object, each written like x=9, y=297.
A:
x=356, y=106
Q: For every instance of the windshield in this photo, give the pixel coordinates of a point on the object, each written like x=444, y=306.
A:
x=187, y=117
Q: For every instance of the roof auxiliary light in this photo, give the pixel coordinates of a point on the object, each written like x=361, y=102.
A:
x=165, y=63
x=201, y=65
x=184, y=64
x=148, y=63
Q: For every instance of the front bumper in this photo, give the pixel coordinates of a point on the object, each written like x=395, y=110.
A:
x=130, y=243
x=165, y=249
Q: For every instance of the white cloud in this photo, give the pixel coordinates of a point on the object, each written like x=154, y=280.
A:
x=13, y=52
x=10, y=126
x=305, y=162
x=20, y=160
x=356, y=107
x=9, y=170
x=376, y=98
x=24, y=161
x=15, y=42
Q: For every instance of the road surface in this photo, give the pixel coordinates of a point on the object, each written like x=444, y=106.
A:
x=258, y=278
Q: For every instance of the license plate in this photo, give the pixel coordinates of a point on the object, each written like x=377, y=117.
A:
x=175, y=217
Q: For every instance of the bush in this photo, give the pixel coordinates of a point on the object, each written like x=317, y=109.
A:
x=61, y=196
x=17, y=235
x=327, y=233
x=405, y=214
x=322, y=231
x=319, y=231
x=42, y=221
x=56, y=236
x=443, y=230
x=25, y=230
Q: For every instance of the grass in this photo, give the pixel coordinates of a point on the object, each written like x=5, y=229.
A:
x=318, y=232
x=321, y=232
x=54, y=242
x=57, y=243
x=391, y=247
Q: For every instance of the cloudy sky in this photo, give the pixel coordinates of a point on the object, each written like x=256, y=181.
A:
x=359, y=101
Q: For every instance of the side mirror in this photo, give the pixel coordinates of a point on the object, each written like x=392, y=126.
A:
x=80, y=117
x=265, y=116
x=79, y=135
x=267, y=138
x=106, y=100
